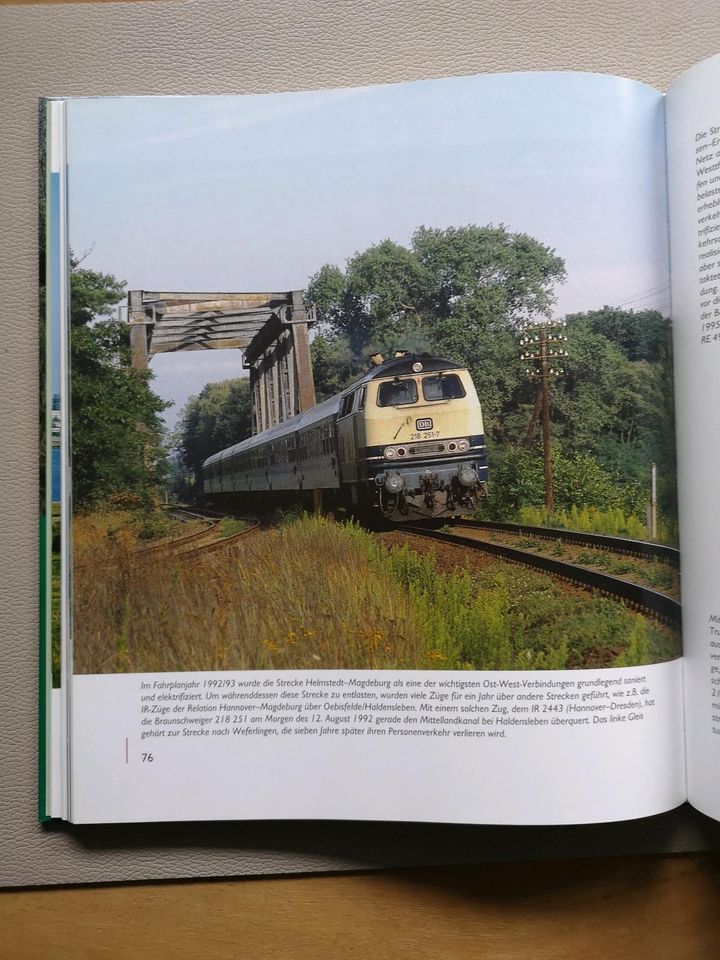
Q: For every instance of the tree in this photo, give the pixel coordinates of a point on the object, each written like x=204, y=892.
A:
x=465, y=293
x=486, y=276
x=334, y=364
x=217, y=418
x=641, y=334
x=92, y=294
x=458, y=282
x=578, y=481
x=620, y=386
x=462, y=292
x=594, y=397
x=116, y=427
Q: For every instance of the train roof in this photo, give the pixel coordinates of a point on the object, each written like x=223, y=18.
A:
x=321, y=410
x=394, y=367
x=400, y=366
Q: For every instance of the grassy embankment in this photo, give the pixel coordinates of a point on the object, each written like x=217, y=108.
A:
x=102, y=537
x=311, y=593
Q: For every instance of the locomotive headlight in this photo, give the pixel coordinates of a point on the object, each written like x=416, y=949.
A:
x=394, y=483
x=467, y=476
x=463, y=445
x=390, y=453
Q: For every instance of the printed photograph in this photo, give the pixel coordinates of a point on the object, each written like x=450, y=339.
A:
x=373, y=378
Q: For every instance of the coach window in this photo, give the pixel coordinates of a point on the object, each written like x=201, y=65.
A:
x=396, y=393
x=360, y=394
x=443, y=387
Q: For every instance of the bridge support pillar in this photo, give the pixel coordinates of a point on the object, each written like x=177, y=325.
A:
x=138, y=320
x=301, y=343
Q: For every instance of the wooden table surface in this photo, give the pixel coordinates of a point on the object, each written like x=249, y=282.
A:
x=655, y=908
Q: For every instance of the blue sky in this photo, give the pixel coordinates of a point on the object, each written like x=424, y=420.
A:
x=258, y=192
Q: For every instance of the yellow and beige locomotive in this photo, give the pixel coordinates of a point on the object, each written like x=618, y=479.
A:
x=405, y=441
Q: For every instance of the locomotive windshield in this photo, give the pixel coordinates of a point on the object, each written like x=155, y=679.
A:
x=395, y=393
x=443, y=387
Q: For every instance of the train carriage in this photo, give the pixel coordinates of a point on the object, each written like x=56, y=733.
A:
x=406, y=441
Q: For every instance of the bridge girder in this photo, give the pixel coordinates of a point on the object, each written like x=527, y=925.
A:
x=270, y=328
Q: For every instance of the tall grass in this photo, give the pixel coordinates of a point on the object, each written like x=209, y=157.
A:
x=612, y=522
x=311, y=593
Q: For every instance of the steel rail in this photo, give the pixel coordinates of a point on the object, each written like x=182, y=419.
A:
x=220, y=544
x=660, y=605
x=640, y=548
x=176, y=542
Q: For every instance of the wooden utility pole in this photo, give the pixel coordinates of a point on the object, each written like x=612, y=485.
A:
x=540, y=351
x=545, y=393
x=653, y=502
x=533, y=421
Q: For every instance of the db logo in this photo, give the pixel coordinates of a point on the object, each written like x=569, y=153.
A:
x=425, y=424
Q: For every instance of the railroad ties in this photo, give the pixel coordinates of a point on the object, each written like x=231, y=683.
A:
x=635, y=548
x=638, y=598
x=221, y=543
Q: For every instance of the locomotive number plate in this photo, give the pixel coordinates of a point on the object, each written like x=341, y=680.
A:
x=425, y=424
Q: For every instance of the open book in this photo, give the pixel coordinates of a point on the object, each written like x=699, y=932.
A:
x=364, y=473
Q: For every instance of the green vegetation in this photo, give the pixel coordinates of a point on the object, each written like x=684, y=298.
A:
x=230, y=526
x=358, y=605
x=612, y=523
x=125, y=525
x=465, y=293
x=580, y=484
x=311, y=593
x=217, y=418
x=658, y=575
x=116, y=427
x=460, y=292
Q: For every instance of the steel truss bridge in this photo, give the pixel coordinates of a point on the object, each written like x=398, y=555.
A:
x=270, y=328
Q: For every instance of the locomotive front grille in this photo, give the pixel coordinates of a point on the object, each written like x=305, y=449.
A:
x=427, y=448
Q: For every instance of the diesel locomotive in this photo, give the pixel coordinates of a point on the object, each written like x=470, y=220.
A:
x=406, y=441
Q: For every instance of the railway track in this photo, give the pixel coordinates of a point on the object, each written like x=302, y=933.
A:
x=177, y=542
x=222, y=543
x=212, y=516
x=624, y=545
x=163, y=546
x=658, y=605
x=187, y=545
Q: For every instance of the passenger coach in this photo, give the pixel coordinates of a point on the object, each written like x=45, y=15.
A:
x=406, y=441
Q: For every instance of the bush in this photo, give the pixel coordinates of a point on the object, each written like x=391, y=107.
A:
x=518, y=482
x=610, y=523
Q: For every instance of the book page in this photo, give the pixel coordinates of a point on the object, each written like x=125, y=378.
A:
x=693, y=137
x=373, y=463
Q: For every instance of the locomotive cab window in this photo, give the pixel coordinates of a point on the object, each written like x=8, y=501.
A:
x=395, y=393
x=443, y=387
x=346, y=405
